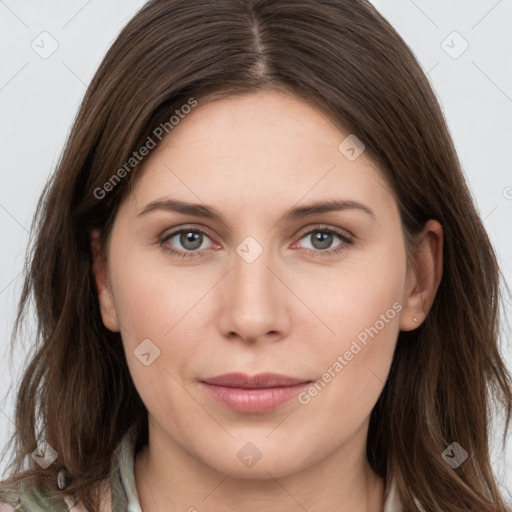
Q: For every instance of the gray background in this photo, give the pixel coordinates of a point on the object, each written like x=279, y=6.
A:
x=39, y=98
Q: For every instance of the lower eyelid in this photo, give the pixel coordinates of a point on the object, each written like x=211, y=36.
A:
x=345, y=240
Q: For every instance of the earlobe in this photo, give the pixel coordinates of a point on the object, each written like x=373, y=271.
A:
x=423, y=281
x=103, y=289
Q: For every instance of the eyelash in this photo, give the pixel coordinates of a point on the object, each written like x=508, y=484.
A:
x=346, y=241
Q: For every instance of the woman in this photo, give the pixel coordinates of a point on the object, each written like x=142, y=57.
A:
x=261, y=281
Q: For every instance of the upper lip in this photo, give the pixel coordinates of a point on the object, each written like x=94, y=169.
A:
x=261, y=380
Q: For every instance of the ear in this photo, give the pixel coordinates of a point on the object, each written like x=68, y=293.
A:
x=423, y=280
x=103, y=288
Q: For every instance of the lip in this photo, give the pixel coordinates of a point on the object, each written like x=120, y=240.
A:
x=253, y=394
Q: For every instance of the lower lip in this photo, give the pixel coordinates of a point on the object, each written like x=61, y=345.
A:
x=254, y=400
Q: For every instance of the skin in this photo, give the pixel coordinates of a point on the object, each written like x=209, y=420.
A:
x=252, y=157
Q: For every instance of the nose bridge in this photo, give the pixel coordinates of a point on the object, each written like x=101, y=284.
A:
x=253, y=301
x=251, y=274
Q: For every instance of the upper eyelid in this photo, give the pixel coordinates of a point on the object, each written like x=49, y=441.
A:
x=300, y=233
x=322, y=227
x=174, y=231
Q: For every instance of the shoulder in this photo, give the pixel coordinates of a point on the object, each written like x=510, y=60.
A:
x=31, y=498
x=67, y=504
x=75, y=505
x=25, y=497
x=9, y=495
x=115, y=491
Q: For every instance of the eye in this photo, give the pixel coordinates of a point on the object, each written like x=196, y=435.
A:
x=190, y=239
x=322, y=238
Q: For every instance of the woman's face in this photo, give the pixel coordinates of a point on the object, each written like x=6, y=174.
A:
x=270, y=286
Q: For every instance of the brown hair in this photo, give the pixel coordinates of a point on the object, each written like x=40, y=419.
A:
x=345, y=59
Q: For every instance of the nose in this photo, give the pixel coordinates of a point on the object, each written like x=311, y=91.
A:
x=254, y=301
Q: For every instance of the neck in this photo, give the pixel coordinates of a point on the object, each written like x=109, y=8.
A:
x=170, y=479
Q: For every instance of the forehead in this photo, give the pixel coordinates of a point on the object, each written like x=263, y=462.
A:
x=261, y=150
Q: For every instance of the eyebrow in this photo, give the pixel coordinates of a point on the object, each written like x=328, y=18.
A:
x=299, y=212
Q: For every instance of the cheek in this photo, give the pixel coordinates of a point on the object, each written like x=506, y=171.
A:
x=365, y=289
x=356, y=318
x=157, y=307
x=160, y=300
x=167, y=305
x=154, y=297
x=361, y=305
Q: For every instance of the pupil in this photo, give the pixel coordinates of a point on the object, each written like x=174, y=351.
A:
x=323, y=238
x=190, y=240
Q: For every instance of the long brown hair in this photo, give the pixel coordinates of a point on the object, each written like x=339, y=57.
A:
x=345, y=59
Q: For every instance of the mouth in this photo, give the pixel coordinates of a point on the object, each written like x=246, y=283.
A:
x=253, y=394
